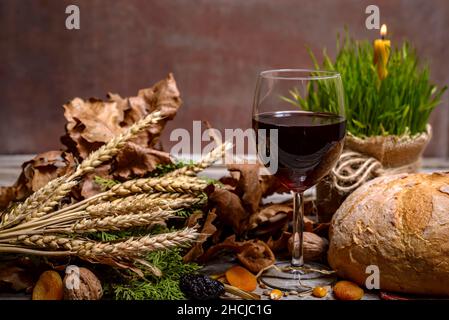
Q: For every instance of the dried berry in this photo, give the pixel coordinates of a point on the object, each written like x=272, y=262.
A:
x=200, y=287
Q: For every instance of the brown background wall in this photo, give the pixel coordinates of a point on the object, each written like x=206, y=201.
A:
x=214, y=47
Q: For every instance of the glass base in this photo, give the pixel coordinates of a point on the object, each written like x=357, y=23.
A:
x=299, y=279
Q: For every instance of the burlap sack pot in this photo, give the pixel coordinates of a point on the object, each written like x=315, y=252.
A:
x=392, y=151
x=382, y=155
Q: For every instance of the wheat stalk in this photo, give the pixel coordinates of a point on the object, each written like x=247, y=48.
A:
x=35, y=227
x=96, y=158
x=116, y=223
x=142, y=202
x=190, y=185
x=45, y=199
x=94, y=250
x=32, y=202
x=109, y=150
x=191, y=170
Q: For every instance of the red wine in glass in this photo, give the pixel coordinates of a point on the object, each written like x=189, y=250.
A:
x=308, y=144
x=306, y=108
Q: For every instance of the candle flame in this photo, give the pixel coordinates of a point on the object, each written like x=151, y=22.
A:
x=383, y=30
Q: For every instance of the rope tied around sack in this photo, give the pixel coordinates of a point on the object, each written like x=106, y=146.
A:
x=353, y=169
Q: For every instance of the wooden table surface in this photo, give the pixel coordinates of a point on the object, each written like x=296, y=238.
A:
x=10, y=167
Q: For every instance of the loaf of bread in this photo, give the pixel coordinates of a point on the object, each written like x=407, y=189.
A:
x=399, y=223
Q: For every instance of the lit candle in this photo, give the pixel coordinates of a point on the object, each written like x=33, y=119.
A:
x=382, y=53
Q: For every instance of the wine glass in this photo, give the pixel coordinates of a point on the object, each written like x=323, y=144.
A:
x=300, y=125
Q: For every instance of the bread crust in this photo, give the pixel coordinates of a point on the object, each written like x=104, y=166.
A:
x=401, y=224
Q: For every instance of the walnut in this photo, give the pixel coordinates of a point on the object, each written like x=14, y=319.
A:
x=314, y=246
x=81, y=284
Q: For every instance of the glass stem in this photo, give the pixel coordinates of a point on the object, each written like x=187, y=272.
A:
x=298, y=227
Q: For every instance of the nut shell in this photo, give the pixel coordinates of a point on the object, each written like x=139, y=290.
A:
x=314, y=246
x=88, y=287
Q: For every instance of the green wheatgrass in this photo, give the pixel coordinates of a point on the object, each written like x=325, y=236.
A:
x=398, y=105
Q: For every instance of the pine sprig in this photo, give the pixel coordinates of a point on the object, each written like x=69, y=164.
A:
x=151, y=287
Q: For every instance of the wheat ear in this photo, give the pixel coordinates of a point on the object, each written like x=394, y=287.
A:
x=116, y=223
x=32, y=202
x=143, y=202
x=189, y=185
x=96, y=251
x=45, y=199
x=191, y=170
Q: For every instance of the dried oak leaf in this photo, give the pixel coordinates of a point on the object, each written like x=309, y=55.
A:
x=45, y=167
x=280, y=244
x=270, y=184
x=36, y=173
x=248, y=186
x=252, y=254
x=228, y=244
x=270, y=213
x=208, y=229
x=7, y=194
x=91, y=123
x=134, y=109
x=194, y=219
x=256, y=255
x=164, y=96
x=15, y=277
x=229, y=210
x=136, y=161
x=229, y=183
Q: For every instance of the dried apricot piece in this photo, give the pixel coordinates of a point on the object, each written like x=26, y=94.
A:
x=48, y=287
x=319, y=292
x=241, y=278
x=347, y=290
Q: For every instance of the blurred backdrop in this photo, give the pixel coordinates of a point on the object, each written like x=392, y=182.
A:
x=215, y=48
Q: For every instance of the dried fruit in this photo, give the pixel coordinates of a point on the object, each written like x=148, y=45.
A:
x=241, y=278
x=276, y=294
x=81, y=284
x=319, y=292
x=200, y=287
x=347, y=290
x=48, y=287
